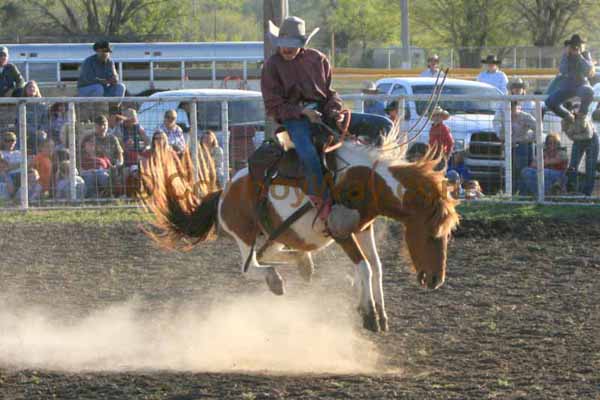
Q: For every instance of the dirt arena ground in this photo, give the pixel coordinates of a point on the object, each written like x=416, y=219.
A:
x=94, y=310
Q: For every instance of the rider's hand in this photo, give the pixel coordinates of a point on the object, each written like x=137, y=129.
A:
x=313, y=115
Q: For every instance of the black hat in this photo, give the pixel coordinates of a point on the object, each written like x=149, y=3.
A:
x=491, y=59
x=393, y=105
x=517, y=84
x=575, y=40
x=102, y=45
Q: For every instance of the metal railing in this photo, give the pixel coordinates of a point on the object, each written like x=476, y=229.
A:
x=407, y=107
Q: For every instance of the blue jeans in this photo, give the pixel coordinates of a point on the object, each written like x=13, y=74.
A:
x=589, y=148
x=522, y=156
x=96, y=181
x=301, y=134
x=551, y=177
x=99, y=90
x=565, y=91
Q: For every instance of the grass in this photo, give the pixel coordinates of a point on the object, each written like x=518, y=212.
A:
x=468, y=211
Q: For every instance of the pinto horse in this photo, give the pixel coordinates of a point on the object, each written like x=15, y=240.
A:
x=376, y=182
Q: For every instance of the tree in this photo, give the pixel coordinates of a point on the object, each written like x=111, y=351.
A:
x=547, y=20
x=368, y=22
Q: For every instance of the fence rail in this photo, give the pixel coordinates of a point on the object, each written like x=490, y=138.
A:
x=465, y=125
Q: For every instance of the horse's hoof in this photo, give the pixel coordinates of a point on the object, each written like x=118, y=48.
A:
x=275, y=283
x=371, y=322
x=383, y=319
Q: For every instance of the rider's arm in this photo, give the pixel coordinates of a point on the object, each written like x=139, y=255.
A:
x=272, y=90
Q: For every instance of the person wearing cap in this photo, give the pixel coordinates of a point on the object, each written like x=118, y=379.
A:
x=134, y=137
x=11, y=80
x=373, y=106
x=439, y=134
x=518, y=87
x=98, y=76
x=107, y=145
x=433, y=67
x=576, y=66
x=492, y=74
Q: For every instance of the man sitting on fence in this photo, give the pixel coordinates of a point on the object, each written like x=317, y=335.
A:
x=11, y=80
x=98, y=76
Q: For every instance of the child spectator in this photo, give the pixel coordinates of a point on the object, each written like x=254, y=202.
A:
x=37, y=117
x=457, y=163
x=7, y=188
x=454, y=184
x=95, y=169
x=63, y=185
x=439, y=134
x=209, y=140
x=36, y=190
x=42, y=162
x=58, y=118
x=9, y=153
x=473, y=190
x=555, y=166
x=173, y=131
x=134, y=137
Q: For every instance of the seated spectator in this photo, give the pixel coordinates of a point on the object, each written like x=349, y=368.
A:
x=472, y=190
x=134, y=137
x=439, y=134
x=60, y=155
x=11, y=80
x=373, y=106
x=9, y=152
x=37, y=118
x=392, y=110
x=63, y=183
x=95, y=169
x=209, y=140
x=58, y=118
x=454, y=184
x=35, y=189
x=7, y=189
x=173, y=131
x=42, y=162
x=492, y=74
x=433, y=67
x=555, y=166
x=98, y=76
x=107, y=145
x=457, y=164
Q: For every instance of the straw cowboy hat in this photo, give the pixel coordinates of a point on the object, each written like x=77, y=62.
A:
x=575, y=40
x=369, y=88
x=491, y=59
x=292, y=33
x=433, y=57
x=441, y=112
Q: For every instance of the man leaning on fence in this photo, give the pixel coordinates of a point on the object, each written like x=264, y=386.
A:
x=11, y=81
x=98, y=76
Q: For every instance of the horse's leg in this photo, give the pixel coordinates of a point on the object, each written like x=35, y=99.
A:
x=366, y=241
x=273, y=278
x=276, y=253
x=367, y=304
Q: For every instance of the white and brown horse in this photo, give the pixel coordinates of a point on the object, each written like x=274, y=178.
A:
x=376, y=182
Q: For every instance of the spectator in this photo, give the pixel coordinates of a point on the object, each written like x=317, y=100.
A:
x=522, y=139
x=107, y=145
x=7, y=189
x=35, y=189
x=9, y=153
x=433, y=67
x=454, y=184
x=60, y=155
x=472, y=190
x=518, y=87
x=492, y=75
x=134, y=137
x=37, y=118
x=209, y=140
x=555, y=165
x=439, y=134
x=63, y=182
x=173, y=131
x=392, y=110
x=585, y=142
x=373, y=106
x=11, y=81
x=576, y=66
x=115, y=122
x=42, y=162
x=457, y=164
x=58, y=119
x=95, y=169
x=98, y=76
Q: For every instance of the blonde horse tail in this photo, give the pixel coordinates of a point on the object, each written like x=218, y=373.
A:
x=184, y=211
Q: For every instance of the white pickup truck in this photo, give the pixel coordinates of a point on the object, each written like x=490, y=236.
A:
x=471, y=122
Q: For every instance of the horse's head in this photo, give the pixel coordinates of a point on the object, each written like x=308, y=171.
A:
x=430, y=219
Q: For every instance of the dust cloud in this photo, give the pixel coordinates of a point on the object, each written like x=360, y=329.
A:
x=253, y=333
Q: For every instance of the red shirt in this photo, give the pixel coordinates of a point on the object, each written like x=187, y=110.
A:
x=88, y=163
x=440, y=135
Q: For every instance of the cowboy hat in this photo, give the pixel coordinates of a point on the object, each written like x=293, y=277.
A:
x=292, y=33
x=575, y=40
x=103, y=45
x=440, y=111
x=433, y=57
x=517, y=84
x=369, y=87
x=491, y=59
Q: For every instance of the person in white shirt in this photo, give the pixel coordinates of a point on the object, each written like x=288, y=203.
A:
x=433, y=67
x=492, y=75
x=518, y=87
